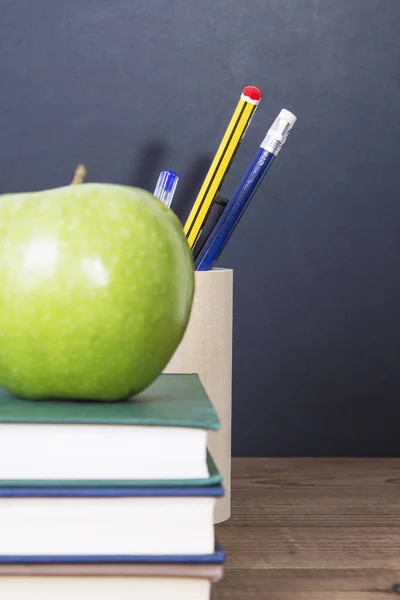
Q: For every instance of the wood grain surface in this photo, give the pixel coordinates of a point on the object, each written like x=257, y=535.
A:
x=308, y=529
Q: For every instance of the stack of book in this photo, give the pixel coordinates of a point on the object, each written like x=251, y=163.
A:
x=109, y=500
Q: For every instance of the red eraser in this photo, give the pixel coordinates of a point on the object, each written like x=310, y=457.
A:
x=252, y=92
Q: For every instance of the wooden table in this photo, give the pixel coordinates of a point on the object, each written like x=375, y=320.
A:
x=312, y=529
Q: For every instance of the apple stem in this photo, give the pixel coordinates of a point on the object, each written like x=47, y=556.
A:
x=79, y=175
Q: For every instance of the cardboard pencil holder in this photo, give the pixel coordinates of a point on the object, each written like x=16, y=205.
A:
x=206, y=349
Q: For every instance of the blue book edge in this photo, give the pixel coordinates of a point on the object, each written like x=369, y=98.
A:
x=217, y=557
x=111, y=492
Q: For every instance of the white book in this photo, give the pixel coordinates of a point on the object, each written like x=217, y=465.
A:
x=108, y=581
x=159, y=435
x=100, y=588
x=107, y=522
x=101, y=452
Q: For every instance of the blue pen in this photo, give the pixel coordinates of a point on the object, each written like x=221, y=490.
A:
x=166, y=186
x=246, y=189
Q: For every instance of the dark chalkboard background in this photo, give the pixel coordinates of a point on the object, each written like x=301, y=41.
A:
x=132, y=87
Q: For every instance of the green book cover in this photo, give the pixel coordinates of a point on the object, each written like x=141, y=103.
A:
x=173, y=400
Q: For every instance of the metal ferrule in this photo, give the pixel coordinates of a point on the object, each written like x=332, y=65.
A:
x=276, y=136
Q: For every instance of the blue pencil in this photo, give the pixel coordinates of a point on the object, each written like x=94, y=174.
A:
x=246, y=189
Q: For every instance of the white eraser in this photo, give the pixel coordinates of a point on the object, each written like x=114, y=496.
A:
x=287, y=116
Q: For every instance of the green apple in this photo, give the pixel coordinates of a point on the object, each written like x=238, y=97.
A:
x=96, y=288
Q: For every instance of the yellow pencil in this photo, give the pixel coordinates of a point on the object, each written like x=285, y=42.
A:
x=245, y=109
